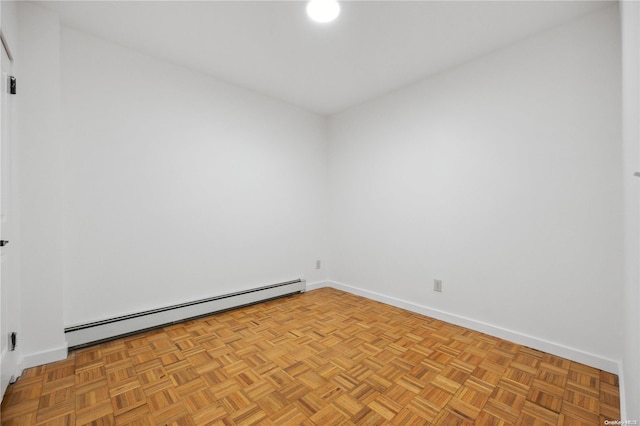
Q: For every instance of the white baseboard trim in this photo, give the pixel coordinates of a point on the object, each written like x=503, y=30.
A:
x=623, y=400
x=557, y=349
x=318, y=284
x=46, y=357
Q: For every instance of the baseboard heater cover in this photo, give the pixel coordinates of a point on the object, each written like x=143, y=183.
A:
x=98, y=331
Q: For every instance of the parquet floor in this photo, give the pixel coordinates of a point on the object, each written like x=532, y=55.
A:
x=320, y=358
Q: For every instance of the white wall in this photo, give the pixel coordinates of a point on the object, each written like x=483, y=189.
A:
x=178, y=186
x=630, y=12
x=9, y=23
x=39, y=185
x=502, y=178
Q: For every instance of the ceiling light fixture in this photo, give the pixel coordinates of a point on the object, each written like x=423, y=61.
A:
x=323, y=11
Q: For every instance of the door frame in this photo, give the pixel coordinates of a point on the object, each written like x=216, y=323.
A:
x=9, y=360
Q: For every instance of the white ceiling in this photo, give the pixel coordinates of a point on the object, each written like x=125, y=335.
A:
x=272, y=47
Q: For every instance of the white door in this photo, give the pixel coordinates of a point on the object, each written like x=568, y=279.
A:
x=8, y=302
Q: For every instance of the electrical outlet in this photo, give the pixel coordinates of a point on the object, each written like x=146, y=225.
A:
x=318, y=264
x=437, y=285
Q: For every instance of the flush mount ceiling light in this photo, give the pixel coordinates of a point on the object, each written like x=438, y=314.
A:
x=323, y=10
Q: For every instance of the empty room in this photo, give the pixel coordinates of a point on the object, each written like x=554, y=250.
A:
x=320, y=212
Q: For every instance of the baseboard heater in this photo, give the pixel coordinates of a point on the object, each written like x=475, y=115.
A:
x=99, y=331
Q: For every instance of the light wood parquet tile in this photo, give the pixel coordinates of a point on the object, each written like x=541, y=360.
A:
x=320, y=358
